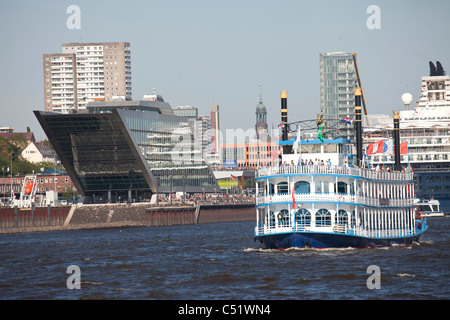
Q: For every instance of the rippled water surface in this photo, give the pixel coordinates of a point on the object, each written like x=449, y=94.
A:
x=215, y=261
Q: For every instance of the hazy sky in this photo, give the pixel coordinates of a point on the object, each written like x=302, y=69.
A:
x=203, y=52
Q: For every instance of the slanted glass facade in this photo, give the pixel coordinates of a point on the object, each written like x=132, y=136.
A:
x=166, y=142
x=122, y=154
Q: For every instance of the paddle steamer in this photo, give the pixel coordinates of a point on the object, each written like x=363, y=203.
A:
x=326, y=197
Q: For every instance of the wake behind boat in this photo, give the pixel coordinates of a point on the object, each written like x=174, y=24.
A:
x=318, y=199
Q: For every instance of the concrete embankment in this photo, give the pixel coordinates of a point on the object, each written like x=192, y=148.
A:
x=120, y=215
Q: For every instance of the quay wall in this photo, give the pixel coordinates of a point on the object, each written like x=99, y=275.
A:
x=33, y=217
x=82, y=216
x=226, y=213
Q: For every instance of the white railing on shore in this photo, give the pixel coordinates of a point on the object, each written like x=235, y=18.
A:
x=333, y=170
x=266, y=229
x=333, y=197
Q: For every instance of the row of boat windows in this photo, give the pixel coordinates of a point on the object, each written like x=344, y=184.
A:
x=324, y=186
x=323, y=217
x=303, y=217
x=305, y=187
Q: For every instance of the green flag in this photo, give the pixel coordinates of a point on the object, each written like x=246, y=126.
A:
x=320, y=134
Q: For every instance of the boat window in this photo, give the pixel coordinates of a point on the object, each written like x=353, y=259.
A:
x=341, y=217
x=303, y=217
x=323, y=218
x=282, y=187
x=271, y=188
x=424, y=208
x=321, y=186
x=271, y=221
x=283, y=217
x=341, y=187
x=302, y=187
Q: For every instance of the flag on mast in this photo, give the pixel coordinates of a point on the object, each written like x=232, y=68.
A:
x=320, y=134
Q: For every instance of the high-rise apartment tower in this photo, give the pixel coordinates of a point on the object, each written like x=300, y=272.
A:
x=86, y=72
x=337, y=97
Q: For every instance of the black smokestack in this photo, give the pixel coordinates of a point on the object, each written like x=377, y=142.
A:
x=358, y=125
x=433, y=71
x=284, y=112
x=440, y=71
x=397, y=164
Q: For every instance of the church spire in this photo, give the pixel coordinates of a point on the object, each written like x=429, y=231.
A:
x=261, y=117
x=260, y=94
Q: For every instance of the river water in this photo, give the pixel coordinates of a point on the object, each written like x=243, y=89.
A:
x=215, y=261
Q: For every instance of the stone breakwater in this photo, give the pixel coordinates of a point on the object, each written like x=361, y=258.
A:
x=124, y=215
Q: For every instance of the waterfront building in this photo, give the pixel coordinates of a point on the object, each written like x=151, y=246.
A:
x=337, y=99
x=249, y=155
x=133, y=149
x=189, y=112
x=426, y=131
x=215, y=135
x=48, y=180
x=86, y=72
x=204, y=134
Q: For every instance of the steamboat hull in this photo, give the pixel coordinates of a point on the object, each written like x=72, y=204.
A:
x=330, y=240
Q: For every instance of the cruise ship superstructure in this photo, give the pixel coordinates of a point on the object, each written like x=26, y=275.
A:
x=426, y=129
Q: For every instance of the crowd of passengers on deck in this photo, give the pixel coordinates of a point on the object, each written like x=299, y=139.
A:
x=320, y=162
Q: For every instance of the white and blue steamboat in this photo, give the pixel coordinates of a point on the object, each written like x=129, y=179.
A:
x=321, y=200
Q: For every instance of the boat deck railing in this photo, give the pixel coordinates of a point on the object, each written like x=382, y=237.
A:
x=333, y=170
x=287, y=227
x=334, y=197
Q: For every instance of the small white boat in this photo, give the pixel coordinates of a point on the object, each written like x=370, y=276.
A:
x=428, y=208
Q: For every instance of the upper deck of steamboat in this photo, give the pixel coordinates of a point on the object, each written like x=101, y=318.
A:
x=333, y=170
x=334, y=184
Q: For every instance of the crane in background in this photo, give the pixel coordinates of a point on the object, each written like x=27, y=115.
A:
x=360, y=85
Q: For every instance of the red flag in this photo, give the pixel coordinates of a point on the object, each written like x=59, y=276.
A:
x=376, y=147
x=233, y=177
x=404, y=148
x=293, y=196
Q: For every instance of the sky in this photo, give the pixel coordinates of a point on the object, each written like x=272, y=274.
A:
x=200, y=53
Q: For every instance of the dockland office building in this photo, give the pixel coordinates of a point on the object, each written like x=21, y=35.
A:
x=128, y=150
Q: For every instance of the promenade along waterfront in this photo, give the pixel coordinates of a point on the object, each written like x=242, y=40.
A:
x=335, y=199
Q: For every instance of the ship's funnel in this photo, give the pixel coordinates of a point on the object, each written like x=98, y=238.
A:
x=433, y=71
x=358, y=125
x=440, y=71
x=284, y=118
x=396, y=136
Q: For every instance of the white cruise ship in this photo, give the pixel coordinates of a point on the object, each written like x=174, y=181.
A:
x=426, y=129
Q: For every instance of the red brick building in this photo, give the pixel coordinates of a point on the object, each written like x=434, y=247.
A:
x=48, y=180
